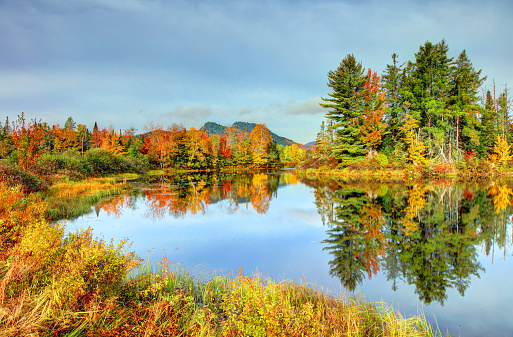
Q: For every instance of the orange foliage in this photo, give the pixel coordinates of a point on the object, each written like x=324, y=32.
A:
x=27, y=140
x=115, y=207
x=372, y=222
x=260, y=196
x=373, y=126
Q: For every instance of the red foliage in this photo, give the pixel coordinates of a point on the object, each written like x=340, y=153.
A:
x=469, y=157
x=28, y=139
x=441, y=168
x=468, y=194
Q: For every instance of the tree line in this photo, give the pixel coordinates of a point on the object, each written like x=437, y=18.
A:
x=432, y=109
x=25, y=142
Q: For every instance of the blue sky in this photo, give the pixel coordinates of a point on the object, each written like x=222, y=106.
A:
x=128, y=62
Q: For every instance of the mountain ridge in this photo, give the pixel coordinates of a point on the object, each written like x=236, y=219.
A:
x=218, y=129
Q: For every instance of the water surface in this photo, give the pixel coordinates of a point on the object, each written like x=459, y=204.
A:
x=442, y=247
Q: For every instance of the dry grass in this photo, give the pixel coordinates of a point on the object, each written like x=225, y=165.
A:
x=72, y=199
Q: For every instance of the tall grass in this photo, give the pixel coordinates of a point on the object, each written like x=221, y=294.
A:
x=72, y=199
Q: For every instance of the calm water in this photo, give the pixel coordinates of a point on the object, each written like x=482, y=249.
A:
x=442, y=248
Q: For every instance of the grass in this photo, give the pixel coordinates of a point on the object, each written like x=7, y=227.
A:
x=72, y=199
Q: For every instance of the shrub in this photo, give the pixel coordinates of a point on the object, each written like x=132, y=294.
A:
x=102, y=162
x=13, y=176
x=135, y=164
x=68, y=164
x=382, y=159
x=15, y=213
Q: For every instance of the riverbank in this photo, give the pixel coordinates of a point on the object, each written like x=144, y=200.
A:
x=74, y=198
x=56, y=284
x=366, y=170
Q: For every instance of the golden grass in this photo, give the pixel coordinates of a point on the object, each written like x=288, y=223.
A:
x=71, y=199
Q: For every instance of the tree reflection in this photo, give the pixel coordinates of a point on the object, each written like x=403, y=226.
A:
x=178, y=195
x=426, y=234
x=116, y=206
x=345, y=241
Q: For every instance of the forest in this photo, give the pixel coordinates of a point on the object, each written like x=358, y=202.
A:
x=431, y=112
x=28, y=144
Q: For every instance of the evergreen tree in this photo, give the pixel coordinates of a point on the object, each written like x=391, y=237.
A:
x=489, y=126
x=70, y=124
x=272, y=153
x=6, y=129
x=427, y=89
x=463, y=102
x=392, y=82
x=503, y=107
x=345, y=108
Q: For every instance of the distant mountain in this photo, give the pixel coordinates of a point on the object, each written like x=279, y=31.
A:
x=217, y=129
x=311, y=144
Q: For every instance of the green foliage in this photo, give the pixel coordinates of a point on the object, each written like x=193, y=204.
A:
x=103, y=163
x=382, y=159
x=345, y=109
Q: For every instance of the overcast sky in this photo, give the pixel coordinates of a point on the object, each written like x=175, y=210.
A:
x=128, y=62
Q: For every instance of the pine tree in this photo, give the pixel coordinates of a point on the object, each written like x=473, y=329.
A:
x=393, y=82
x=346, y=108
x=426, y=93
x=503, y=107
x=463, y=102
x=70, y=124
x=489, y=126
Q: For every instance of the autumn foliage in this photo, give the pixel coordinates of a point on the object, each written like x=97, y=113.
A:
x=27, y=138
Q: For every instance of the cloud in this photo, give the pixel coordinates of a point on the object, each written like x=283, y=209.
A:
x=308, y=107
x=188, y=115
x=310, y=217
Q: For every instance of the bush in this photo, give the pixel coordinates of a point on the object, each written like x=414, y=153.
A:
x=29, y=183
x=102, y=162
x=382, y=159
x=68, y=164
x=135, y=164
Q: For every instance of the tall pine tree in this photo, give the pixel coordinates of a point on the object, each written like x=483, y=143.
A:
x=392, y=82
x=345, y=108
x=463, y=102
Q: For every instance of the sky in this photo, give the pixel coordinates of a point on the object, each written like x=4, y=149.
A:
x=127, y=63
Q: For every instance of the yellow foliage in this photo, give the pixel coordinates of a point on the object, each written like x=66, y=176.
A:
x=501, y=156
x=416, y=148
x=416, y=201
x=113, y=143
x=501, y=197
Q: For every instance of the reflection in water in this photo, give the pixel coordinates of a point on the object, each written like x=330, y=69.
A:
x=177, y=196
x=426, y=234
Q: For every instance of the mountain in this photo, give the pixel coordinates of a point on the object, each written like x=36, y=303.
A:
x=217, y=129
